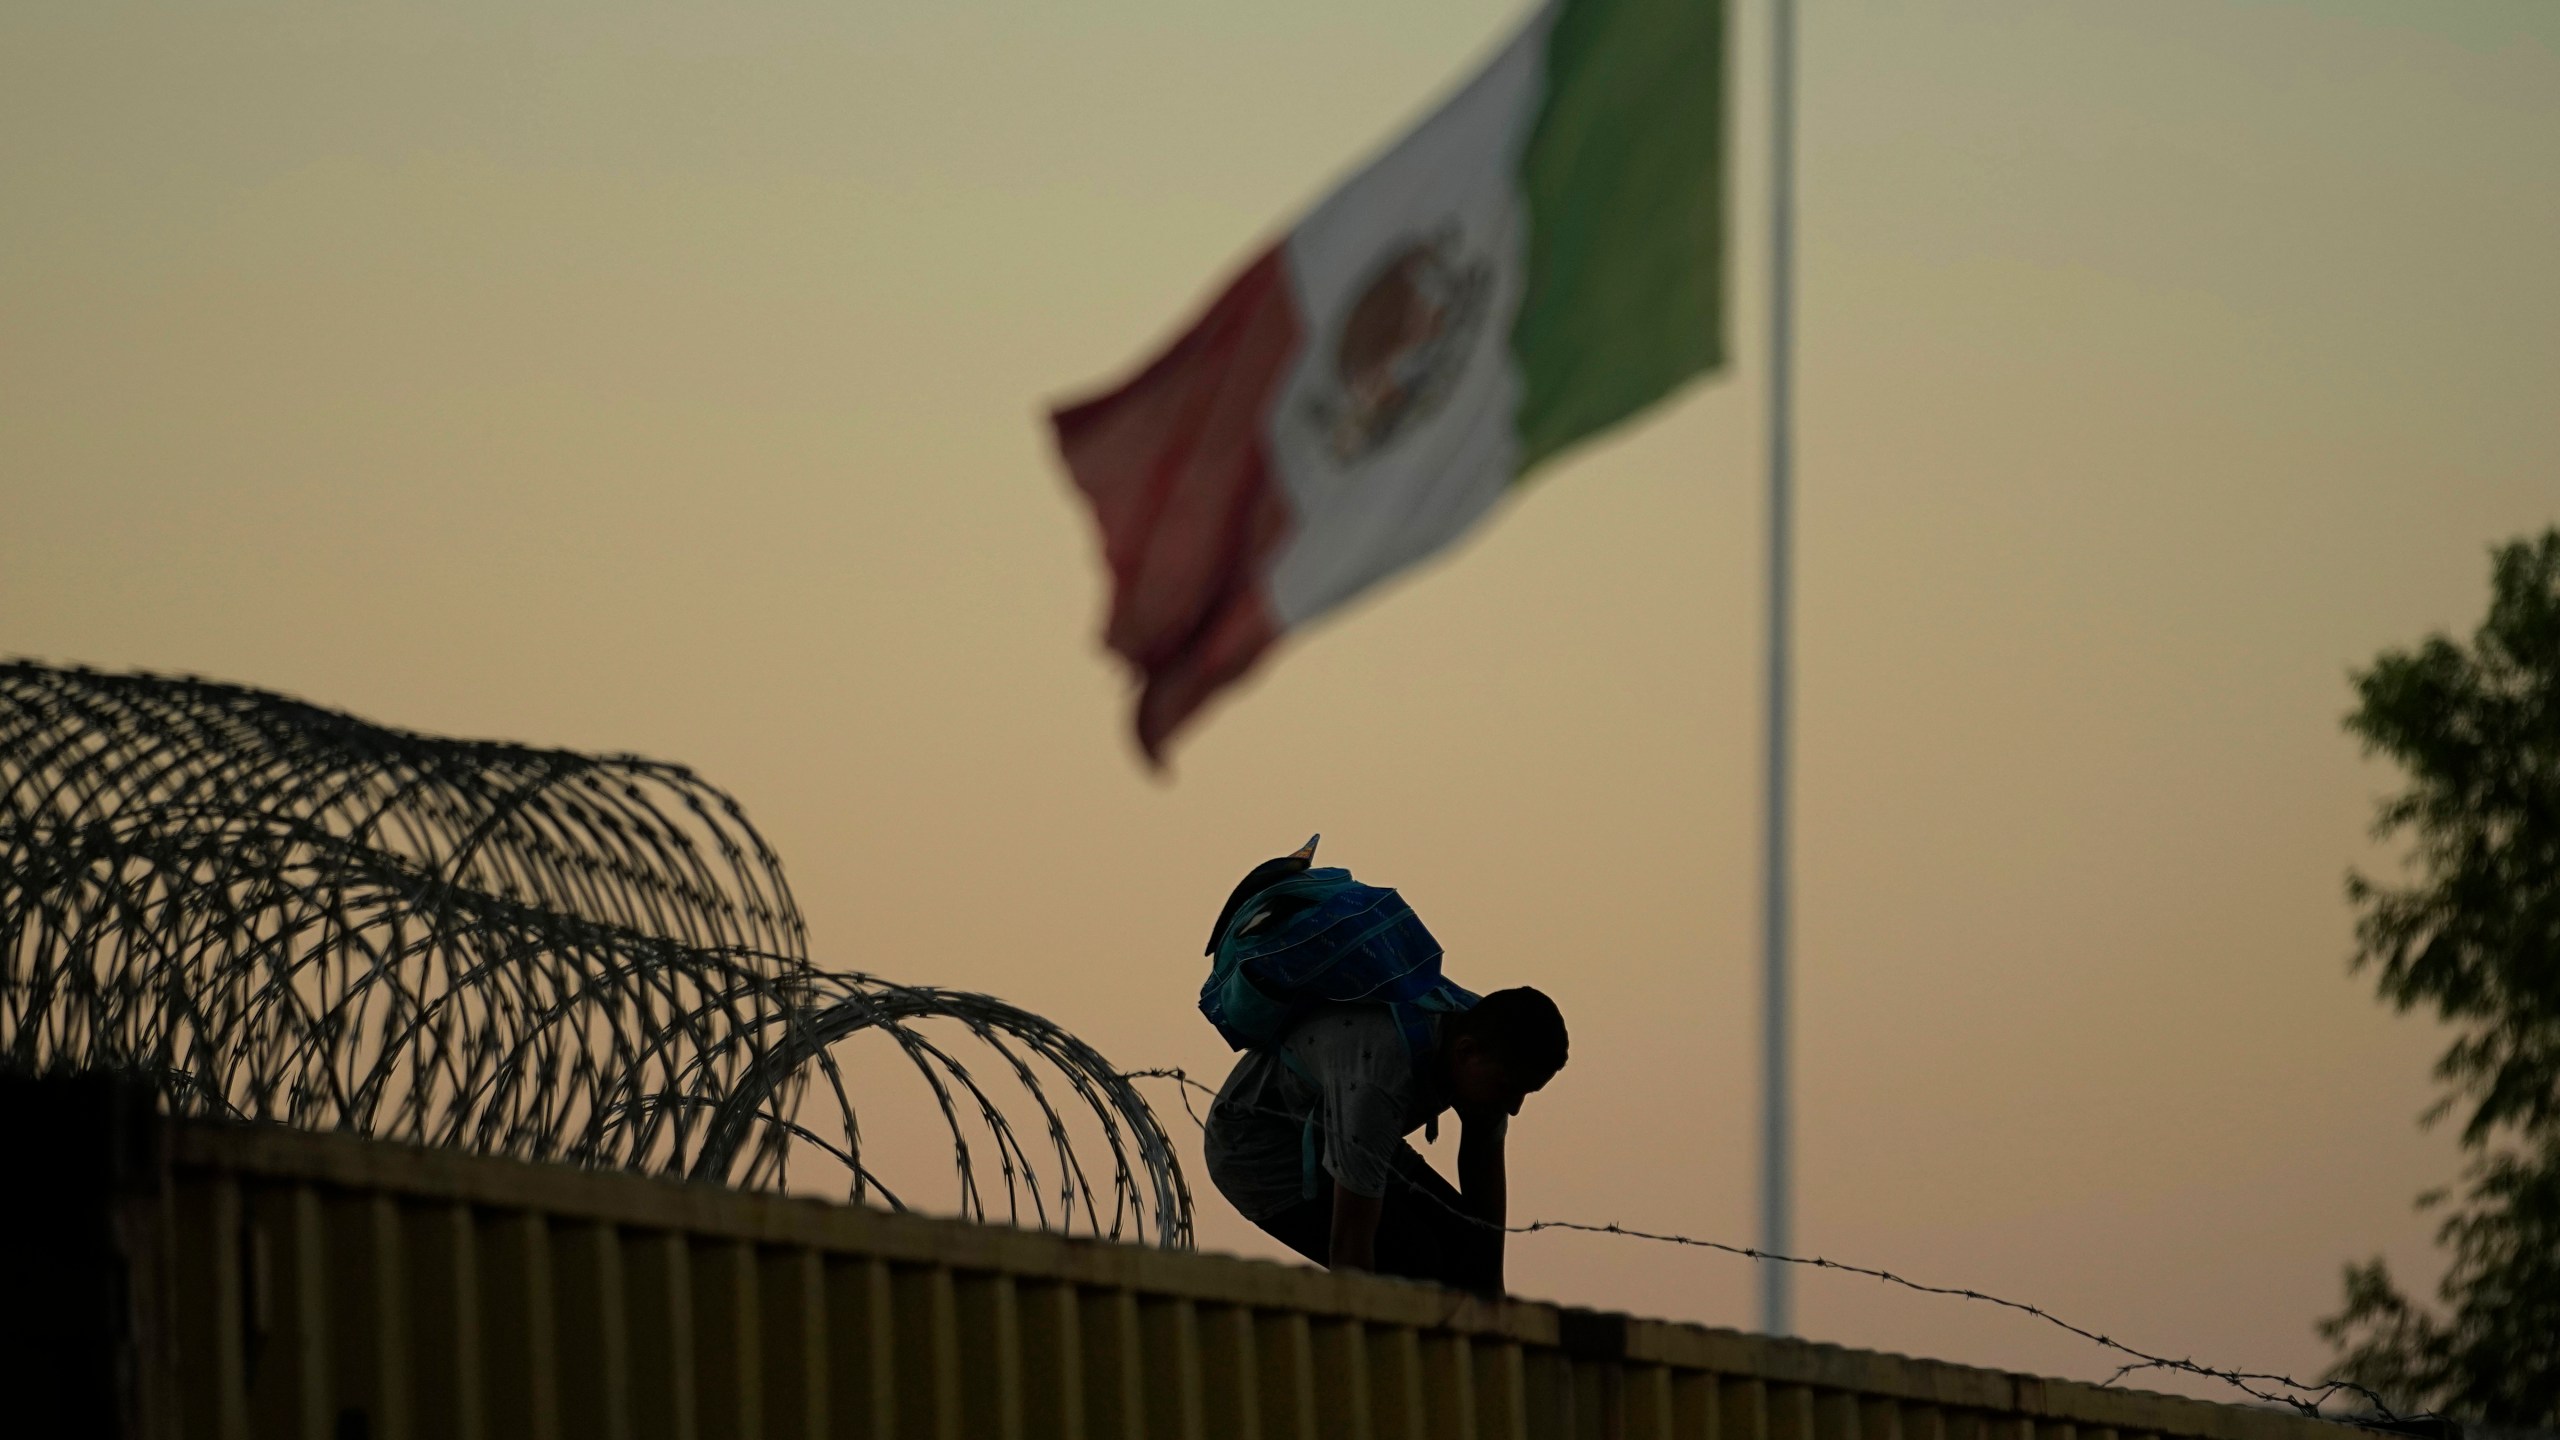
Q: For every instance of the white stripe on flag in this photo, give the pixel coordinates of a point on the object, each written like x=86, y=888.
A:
x=1450, y=187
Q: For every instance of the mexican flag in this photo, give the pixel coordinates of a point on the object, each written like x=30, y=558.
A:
x=1539, y=259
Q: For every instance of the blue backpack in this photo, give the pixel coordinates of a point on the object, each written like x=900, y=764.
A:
x=1310, y=938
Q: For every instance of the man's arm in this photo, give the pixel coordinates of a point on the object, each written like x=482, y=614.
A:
x=1355, y=1230
x=1483, y=1182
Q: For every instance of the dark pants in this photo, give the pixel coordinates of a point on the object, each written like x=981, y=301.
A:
x=1424, y=1231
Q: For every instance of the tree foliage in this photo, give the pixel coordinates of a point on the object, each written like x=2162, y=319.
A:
x=2475, y=934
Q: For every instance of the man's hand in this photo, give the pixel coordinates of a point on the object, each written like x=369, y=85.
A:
x=1355, y=1230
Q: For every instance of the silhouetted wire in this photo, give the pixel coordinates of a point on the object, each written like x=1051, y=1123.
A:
x=271, y=911
x=2287, y=1391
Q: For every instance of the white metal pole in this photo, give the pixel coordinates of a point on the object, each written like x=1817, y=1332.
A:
x=1776, y=1121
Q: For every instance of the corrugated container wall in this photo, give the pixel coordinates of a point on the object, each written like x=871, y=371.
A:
x=179, y=1278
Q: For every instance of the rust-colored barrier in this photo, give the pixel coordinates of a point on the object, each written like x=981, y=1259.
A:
x=204, y=1280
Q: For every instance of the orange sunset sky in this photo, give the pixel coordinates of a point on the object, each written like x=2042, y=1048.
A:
x=667, y=378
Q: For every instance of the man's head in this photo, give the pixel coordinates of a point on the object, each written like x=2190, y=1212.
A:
x=1508, y=1046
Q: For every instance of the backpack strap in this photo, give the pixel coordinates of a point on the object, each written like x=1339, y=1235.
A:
x=1307, y=1166
x=1418, y=1020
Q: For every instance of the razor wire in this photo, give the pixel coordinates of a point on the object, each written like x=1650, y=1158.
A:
x=271, y=911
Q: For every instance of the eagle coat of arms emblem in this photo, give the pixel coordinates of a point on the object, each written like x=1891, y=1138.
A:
x=1402, y=343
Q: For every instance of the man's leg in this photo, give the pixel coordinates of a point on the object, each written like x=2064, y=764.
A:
x=1425, y=1232
x=1306, y=1227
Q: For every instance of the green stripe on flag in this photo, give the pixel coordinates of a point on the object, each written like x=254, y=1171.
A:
x=1624, y=177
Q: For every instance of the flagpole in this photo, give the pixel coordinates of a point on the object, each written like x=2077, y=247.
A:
x=1776, y=1121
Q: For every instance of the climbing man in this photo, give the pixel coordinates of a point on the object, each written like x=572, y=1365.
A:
x=1353, y=1040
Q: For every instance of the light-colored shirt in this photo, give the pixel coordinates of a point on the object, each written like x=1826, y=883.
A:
x=1346, y=1068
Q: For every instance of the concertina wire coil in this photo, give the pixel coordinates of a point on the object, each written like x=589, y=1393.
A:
x=270, y=911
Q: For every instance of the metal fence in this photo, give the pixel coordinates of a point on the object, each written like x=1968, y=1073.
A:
x=204, y=1279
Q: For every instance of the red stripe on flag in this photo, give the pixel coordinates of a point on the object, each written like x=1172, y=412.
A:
x=1176, y=467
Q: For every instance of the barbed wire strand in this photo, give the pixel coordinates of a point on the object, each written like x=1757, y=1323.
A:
x=2268, y=1387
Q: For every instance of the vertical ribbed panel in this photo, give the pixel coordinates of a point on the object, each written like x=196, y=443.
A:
x=728, y=1360
x=1285, y=1373
x=367, y=1340
x=1546, y=1393
x=1115, y=1395
x=1343, y=1406
x=1449, y=1386
x=386, y=1241
x=1835, y=1416
x=658, y=1275
x=862, y=1399
x=928, y=1372
x=1231, y=1391
x=1395, y=1383
x=591, y=1307
x=444, y=1331
x=212, y=1341
x=1591, y=1400
x=990, y=1357
x=1790, y=1413
x=1695, y=1411
x=1176, y=1407
x=1502, y=1398
x=1742, y=1410
x=307, y=1320
x=520, y=1335
x=791, y=1287
x=1650, y=1413
x=284, y=1313
x=1052, y=1323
